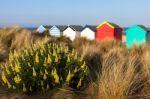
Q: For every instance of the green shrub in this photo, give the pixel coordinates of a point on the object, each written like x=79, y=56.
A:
x=44, y=67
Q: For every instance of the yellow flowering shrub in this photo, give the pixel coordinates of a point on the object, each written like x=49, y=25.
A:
x=44, y=67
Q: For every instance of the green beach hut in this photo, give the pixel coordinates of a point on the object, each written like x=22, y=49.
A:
x=137, y=35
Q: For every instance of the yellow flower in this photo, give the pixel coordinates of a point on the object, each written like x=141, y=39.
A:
x=76, y=55
x=26, y=52
x=83, y=65
x=54, y=52
x=24, y=88
x=75, y=70
x=36, y=58
x=43, y=48
x=55, y=75
x=79, y=83
x=53, y=45
x=44, y=77
x=45, y=64
x=73, y=51
x=15, y=54
x=49, y=59
x=56, y=58
x=9, y=85
x=46, y=72
x=85, y=69
x=29, y=64
x=7, y=70
x=68, y=59
x=12, y=67
x=66, y=50
x=58, y=50
x=69, y=76
x=41, y=52
x=11, y=56
x=17, y=79
x=14, y=87
x=17, y=68
x=4, y=78
x=56, y=78
x=34, y=72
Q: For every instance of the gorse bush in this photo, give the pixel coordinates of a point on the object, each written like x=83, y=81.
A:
x=44, y=67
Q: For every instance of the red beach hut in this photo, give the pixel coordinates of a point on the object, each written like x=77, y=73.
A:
x=108, y=31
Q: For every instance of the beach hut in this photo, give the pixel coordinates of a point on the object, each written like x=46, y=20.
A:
x=41, y=29
x=88, y=32
x=55, y=31
x=137, y=35
x=72, y=31
x=108, y=31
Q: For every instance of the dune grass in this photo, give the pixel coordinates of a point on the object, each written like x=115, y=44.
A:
x=115, y=71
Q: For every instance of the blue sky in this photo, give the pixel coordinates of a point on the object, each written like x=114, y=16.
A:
x=36, y=12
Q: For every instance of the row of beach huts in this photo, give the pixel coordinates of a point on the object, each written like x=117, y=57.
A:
x=137, y=34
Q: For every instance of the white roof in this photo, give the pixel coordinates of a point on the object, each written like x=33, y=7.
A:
x=41, y=29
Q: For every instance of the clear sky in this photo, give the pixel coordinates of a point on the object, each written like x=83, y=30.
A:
x=48, y=12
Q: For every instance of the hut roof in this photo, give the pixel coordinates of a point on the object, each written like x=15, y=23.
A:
x=75, y=27
x=60, y=27
x=92, y=27
x=113, y=25
x=143, y=27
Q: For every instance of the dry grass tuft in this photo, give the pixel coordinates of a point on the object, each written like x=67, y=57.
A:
x=121, y=75
x=118, y=76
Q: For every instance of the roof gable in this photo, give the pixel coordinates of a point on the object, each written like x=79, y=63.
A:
x=61, y=27
x=70, y=28
x=48, y=26
x=112, y=25
x=41, y=26
x=54, y=27
x=92, y=28
x=74, y=27
x=137, y=27
x=41, y=29
x=77, y=27
x=143, y=27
